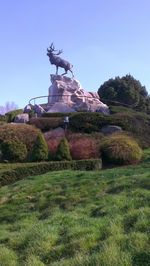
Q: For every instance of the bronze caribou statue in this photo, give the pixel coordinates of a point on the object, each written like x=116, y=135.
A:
x=58, y=61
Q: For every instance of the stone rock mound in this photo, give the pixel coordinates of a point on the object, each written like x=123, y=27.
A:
x=67, y=95
x=21, y=118
x=109, y=129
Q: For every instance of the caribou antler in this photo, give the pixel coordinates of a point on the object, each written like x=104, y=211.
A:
x=59, y=52
x=51, y=48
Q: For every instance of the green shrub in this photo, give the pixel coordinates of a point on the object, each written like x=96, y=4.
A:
x=30, y=169
x=46, y=123
x=55, y=114
x=25, y=133
x=88, y=122
x=138, y=124
x=10, y=116
x=2, y=118
x=63, y=152
x=40, y=149
x=121, y=149
x=120, y=109
x=14, y=151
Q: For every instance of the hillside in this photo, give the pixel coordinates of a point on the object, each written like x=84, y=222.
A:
x=77, y=218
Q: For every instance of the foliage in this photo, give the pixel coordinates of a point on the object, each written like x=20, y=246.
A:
x=121, y=109
x=77, y=218
x=88, y=122
x=40, y=149
x=84, y=148
x=126, y=90
x=11, y=173
x=63, y=151
x=138, y=124
x=52, y=147
x=10, y=116
x=14, y=150
x=56, y=114
x=25, y=133
x=2, y=118
x=121, y=149
x=8, y=256
x=46, y=123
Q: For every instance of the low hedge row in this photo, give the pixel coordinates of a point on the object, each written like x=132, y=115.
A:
x=21, y=172
x=46, y=123
x=56, y=114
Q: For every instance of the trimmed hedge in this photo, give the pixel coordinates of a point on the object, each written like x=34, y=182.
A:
x=46, y=123
x=56, y=114
x=10, y=176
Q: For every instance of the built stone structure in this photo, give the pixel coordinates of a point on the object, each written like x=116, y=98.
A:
x=67, y=95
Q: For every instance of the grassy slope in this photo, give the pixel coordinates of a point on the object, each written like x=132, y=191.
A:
x=77, y=218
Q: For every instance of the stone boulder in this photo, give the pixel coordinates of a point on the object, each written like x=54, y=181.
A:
x=110, y=129
x=67, y=94
x=38, y=109
x=21, y=118
x=58, y=132
x=27, y=108
x=60, y=107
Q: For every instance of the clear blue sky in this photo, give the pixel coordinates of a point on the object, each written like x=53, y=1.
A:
x=101, y=38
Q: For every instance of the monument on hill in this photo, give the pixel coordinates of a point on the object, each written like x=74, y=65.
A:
x=66, y=94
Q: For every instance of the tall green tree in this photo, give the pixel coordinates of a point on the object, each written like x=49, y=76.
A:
x=39, y=150
x=63, y=151
x=125, y=90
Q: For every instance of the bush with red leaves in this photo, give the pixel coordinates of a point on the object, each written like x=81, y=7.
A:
x=84, y=148
x=52, y=147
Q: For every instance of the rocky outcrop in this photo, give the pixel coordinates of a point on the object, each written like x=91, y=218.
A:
x=22, y=118
x=67, y=95
x=109, y=129
x=58, y=132
x=38, y=109
x=27, y=108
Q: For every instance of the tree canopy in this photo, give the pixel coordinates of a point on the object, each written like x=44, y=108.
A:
x=125, y=90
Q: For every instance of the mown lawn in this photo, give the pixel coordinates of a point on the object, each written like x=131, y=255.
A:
x=77, y=218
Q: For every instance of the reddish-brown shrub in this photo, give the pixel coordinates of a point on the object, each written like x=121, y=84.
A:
x=84, y=148
x=53, y=145
x=25, y=133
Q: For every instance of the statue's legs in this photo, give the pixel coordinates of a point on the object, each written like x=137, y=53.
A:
x=56, y=70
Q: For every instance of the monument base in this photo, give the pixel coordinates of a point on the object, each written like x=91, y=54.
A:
x=67, y=95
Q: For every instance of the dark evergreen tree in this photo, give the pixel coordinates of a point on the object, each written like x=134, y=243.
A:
x=40, y=149
x=126, y=90
x=63, y=151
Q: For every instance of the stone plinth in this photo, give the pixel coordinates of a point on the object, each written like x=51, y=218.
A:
x=67, y=95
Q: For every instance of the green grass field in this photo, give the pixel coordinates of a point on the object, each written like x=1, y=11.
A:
x=77, y=218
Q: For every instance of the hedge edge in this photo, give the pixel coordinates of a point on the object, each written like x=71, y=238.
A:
x=11, y=176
